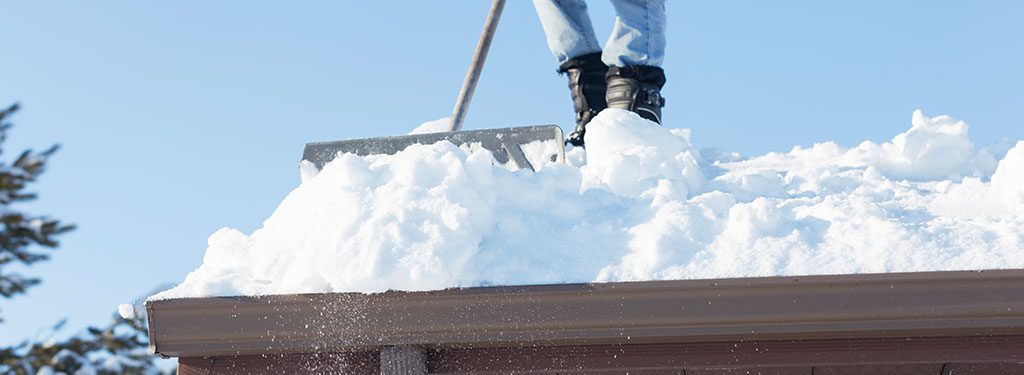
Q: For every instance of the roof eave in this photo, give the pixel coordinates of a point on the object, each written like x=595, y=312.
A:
x=923, y=304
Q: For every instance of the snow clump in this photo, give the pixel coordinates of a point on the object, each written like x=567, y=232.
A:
x=126, y=311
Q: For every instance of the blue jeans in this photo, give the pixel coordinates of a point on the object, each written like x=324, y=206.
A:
x=638, y=37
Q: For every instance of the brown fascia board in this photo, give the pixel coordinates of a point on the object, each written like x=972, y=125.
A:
x=893, y=305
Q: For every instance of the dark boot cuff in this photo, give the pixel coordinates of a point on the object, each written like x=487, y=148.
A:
x=588, y=63
x=643, y=73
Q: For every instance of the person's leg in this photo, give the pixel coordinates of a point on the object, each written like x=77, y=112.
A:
x=589, y=86
x=635, y=52
x=571, y=39
x=568, y=29
x=638, y=37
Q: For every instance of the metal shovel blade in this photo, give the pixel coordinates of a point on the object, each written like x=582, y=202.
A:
x=506, y=144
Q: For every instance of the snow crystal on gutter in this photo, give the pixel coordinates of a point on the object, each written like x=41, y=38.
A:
x=640, y=203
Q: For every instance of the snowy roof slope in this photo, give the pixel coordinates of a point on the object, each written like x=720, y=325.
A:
x=641, y=203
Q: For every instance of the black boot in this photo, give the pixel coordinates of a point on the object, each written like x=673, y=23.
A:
x=587, y=84
x=638, y=89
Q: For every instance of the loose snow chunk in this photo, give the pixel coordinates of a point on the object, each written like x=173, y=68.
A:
x=127, y=311
x=436, y=126
x=1009, y=176
x=1003, y=196
x=933, y=148
x=629, y=155
x=639, y=203
x=540, y=153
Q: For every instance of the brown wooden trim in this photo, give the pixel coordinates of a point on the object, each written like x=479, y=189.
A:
x=931, y=356
x=319, y=363
x=931, y=351
x=908, y=305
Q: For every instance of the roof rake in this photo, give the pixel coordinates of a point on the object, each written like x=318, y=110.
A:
x=506, y=144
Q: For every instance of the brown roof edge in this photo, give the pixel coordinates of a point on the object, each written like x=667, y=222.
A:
x=895, y=305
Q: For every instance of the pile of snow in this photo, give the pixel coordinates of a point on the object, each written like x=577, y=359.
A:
x=641, y=203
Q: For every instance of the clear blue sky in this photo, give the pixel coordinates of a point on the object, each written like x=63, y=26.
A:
x=178, y=118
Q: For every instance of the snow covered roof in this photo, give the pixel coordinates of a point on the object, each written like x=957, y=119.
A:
x=642, y=202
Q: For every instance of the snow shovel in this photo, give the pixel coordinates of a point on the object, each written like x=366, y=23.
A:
x=504, y=143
